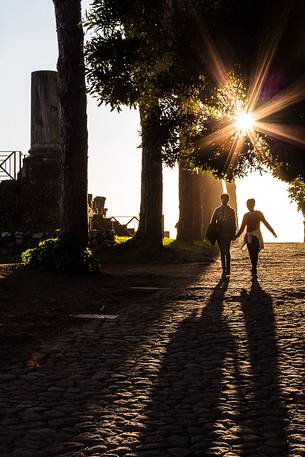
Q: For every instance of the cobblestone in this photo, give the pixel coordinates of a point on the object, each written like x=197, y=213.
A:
x=212, y=368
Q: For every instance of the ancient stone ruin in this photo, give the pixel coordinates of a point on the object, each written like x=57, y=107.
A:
x=29, y=205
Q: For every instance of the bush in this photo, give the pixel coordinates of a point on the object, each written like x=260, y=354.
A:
x=60, y=254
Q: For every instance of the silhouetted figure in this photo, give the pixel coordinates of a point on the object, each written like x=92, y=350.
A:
x=253, y=238
x=224, y=221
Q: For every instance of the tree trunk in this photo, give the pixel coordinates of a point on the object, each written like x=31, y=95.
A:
x=212, y=189
x=189, y=227
x=73, y=103
x=150, y=229
x=231, y=188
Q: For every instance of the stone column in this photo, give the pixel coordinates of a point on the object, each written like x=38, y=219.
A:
x=45, y=126
x=99, y=204
x=43, y=162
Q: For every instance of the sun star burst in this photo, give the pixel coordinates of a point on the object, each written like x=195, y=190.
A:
x=248, y=120
x=244, y=122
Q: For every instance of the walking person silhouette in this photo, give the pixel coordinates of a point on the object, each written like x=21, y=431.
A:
x=224, y=220
x=253, y=238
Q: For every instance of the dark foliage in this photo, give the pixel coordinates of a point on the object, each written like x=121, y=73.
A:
x=61, y=254
x=142, y=51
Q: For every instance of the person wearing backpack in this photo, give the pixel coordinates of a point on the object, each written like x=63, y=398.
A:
x=224, y=225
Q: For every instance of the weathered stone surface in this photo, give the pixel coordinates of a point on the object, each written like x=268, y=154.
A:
x=215, y=369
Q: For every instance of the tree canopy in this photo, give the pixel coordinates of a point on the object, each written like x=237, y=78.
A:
x=179, y=52
x=138, y=53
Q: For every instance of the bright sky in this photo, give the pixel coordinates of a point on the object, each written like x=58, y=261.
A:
x=28, y=43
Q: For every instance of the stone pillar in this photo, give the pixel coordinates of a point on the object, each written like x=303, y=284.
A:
x=99, y=205
x=45, y=126
x=43, y=162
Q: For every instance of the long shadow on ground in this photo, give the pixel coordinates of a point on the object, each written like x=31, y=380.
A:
x=213, y=396
x=195, y=401
x=267, y=412
x=72, y=402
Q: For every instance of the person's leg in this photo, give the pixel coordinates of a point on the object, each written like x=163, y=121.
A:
x=221, y=245
x=228, y=257
x=253, y=249
x=227, y=246
x=255, y=255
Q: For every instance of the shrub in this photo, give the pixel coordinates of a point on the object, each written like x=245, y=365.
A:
x=60, y=254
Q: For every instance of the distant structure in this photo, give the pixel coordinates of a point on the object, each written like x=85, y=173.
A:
x=43, y=161
x=30, y=200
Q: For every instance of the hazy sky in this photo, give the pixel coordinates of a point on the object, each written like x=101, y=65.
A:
x=28, y=43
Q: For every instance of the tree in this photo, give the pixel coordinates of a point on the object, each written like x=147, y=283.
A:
x=150, y=226
x=297, y=194
x=72, y=95
x=189, y=226
x=250, y=34
x=138, y=57
x=153, y=55
x=287, y=71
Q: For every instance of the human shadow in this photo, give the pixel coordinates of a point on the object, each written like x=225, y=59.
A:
x=80, y=385
x=196, y=399
x=267, y=410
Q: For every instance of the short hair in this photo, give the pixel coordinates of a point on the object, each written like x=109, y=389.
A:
x=225, y=196
x=251, y=202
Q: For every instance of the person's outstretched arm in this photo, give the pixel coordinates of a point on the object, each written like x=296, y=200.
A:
x=242, y=228
x=234, y=225
x=268, y=226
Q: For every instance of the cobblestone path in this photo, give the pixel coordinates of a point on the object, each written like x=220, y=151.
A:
x=211, y=369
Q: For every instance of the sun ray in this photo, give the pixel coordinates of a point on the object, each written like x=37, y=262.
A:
x=264, y=62
x=261, y=74
x=253, y=138
x=234, y=150
x=217, y=137
x=214, y=62
x=290, y=133
x=238, y=111
x=224, y=186
x=291, y=95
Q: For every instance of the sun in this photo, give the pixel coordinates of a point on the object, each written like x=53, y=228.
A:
x=244, y=122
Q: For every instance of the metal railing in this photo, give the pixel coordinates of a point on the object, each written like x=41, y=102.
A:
x=10, y=164
x=125, y=226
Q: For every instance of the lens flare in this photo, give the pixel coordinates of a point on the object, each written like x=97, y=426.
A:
x=244, y=122
x=244, y=116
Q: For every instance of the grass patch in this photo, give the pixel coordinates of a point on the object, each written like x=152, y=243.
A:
x=200, y=248
x=121, y=239
x=173, y=252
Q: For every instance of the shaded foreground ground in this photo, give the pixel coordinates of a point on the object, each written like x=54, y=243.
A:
x=196, y=367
